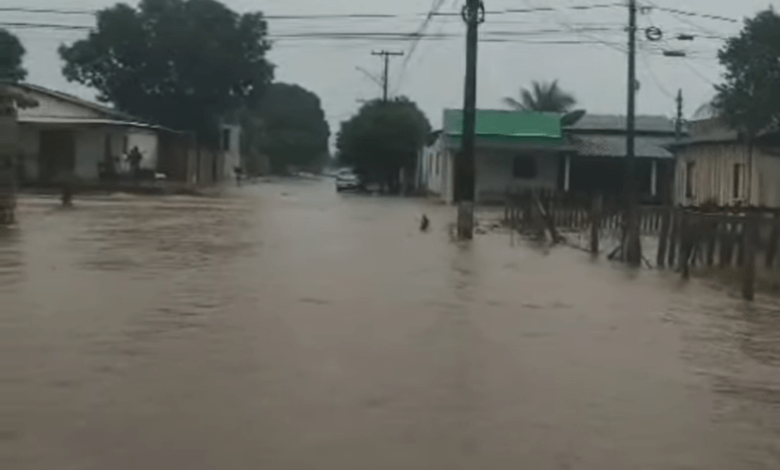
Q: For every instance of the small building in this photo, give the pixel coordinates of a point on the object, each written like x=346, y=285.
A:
x=717, y=166
x=66, y=134
x=525, y=150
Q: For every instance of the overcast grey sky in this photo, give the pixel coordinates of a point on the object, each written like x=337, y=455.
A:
x=433, y=76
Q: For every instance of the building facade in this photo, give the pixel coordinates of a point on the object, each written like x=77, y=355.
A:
x=717, y=166
x=523, y=150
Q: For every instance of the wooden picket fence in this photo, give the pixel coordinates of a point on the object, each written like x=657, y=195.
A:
x=724, y=238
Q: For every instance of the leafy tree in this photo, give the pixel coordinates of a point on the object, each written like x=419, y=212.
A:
x=543, y=97
x=750, y=97
x=11, y=57
x=288, y=126
x=383, y=138
x=181, y=63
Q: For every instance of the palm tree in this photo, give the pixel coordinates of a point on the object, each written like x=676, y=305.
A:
x=543, y=96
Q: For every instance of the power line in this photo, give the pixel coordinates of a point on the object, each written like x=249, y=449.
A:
x=655, y=78
x=694, y=14
x=567, y=24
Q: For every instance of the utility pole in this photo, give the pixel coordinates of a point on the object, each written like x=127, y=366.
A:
x=678, y=123
x=385, y=74
x=473, y=14
x=632, y=244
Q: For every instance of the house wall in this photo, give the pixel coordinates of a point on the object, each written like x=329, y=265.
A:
x=495, y=174
x=147, y=143
x=90, y=148
x=232, y=151
x=50, y=107
x=713, y=176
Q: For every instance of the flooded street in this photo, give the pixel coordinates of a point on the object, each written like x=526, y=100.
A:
x=286, y=327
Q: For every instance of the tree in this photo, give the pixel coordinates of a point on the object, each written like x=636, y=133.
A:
x=288, y=126
x=750, y=97
x=184, y=64
x=383, y=138
x=543, y=97
x=11, y=57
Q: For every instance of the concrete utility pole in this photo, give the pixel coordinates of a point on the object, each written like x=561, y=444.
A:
x=473, y=14
x=632, y=244
x=385, y=74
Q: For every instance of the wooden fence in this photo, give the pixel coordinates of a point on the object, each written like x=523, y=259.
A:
x=725, y=238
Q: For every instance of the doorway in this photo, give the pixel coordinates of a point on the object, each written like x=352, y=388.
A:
x=57, y=153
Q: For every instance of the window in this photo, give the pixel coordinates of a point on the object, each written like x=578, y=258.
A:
x=738, y=172
x=226, y=140
x=690, y=167
x=524, y=167
x=437, y=162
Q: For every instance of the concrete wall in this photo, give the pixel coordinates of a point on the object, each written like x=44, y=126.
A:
x=90, y=148
x=232, y=151
x=495, y=173
x=435, y=171
x=147, y=144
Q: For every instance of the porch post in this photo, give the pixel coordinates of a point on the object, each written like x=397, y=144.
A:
x=567, y=173
x=654, y=178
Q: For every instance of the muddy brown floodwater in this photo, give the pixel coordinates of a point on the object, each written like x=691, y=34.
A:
x=284, y=327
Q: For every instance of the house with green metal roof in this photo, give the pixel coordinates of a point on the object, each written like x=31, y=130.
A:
x=527, y=150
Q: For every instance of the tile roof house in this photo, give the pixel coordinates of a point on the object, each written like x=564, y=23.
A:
x=67, y=134
x=521, y=150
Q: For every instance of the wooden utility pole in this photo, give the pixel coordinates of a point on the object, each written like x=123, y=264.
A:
x=473, y=15
x=386, y=55
x=666, y=220
x=633, y=246
x=678, y=123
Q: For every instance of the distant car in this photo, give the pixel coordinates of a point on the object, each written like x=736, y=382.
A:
x=347, y=180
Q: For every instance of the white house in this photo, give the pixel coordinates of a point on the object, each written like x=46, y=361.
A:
x=525, y=150
x=66, y=133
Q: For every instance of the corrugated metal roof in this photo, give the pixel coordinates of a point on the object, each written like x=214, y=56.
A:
x=509, y=124
x=609, y=122
x=591, y=145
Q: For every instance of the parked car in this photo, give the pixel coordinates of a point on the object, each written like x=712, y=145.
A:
x=347, y=180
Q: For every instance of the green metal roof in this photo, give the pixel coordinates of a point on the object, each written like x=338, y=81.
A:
x=509, y=125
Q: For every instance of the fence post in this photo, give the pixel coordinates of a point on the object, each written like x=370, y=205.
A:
x=595, y=223
x=749, y=252
x=673, y=236
x=663, y=242
x=771, y=251
x=686, y=246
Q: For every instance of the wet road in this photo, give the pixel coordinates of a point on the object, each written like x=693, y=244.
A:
x=285, y=327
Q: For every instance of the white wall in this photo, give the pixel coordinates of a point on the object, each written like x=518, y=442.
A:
x=146, y=141
x=232, y=155
x=90, y=150
x=49, y=107
x=435, y=171
x=495, y=178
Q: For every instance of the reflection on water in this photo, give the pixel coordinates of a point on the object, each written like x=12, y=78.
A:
x=285, y=326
